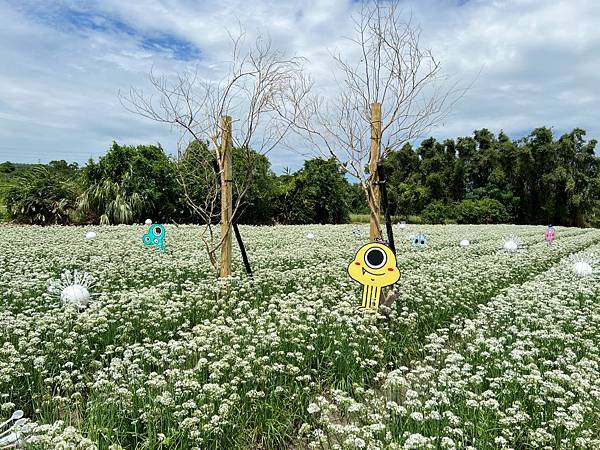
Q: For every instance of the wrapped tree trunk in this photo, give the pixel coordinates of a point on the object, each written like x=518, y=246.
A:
x=226, y=197
x=373, y=194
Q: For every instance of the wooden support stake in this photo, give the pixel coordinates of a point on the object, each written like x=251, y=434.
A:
x=226, y=196
x=374, y=202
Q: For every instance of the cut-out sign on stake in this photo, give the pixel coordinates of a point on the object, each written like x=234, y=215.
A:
x=419, y=241
x=155, y=236
x=550, y=234
x=374, y=266
x=357, y=231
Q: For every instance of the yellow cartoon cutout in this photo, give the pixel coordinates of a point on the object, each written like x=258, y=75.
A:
x=374, y=267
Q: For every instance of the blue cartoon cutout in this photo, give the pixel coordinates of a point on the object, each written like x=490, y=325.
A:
x=419, y=241
x=357, y=231
x=155, y=236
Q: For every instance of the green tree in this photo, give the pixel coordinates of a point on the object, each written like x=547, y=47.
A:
x=252, y=177
x=64, y=169
x=583, y=182
x=434, y=169
x=403, y=173
x=39, y=196
x=130, y=183
x=7, y=167
x=533, y=180
x=257, y=204
x=356, y=199
x=318, y=193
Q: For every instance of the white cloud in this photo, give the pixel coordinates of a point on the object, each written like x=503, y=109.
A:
x=64, y=62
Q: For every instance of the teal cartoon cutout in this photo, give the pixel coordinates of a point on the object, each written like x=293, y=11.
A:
x=155, y=236
x=419, y=241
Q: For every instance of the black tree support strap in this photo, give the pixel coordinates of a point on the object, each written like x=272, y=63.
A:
x=238, y=236
x=386, y=208
x=236, y=231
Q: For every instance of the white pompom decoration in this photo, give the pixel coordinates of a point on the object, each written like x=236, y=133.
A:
x=148, y=222
x=90, y=235
x=465, y=243
x=310, y=236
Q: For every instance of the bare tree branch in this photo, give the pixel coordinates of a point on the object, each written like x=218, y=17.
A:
x=259, y=81
x=392, y=69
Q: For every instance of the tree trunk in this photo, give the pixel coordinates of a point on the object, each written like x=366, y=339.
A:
x=373, y=187
x=226, y=197
x=579, y=218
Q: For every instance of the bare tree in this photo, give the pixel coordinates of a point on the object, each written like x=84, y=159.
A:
x=256, y=78
x=390, y=90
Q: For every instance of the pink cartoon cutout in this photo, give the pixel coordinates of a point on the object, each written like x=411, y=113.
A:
x=550, y=234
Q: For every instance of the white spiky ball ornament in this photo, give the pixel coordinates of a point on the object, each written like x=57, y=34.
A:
x=310, y=236
x=584, y=264
x=73, y=288
x=90, y=235
x=148, y=222
x=512, y=244
x=465, y=243
x=582, y=268
x=76, y=294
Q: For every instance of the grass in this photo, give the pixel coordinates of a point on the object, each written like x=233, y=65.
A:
x=165, y=357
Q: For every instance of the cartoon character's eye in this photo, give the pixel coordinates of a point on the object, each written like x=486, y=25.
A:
x=375, y=258
x=416, y=241
x=422, y=242
x=156, y=241
x=147, y=239
x=157, y=231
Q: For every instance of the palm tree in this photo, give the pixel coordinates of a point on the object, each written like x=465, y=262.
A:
x=111, y=197
x=39, y=196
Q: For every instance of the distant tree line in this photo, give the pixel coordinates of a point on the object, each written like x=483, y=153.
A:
x=131, y=183
x=490, y=179
x=477, y=179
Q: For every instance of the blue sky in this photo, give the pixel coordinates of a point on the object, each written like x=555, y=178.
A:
x=534, y=63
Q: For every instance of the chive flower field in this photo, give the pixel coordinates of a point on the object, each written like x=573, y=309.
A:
x=482, y=349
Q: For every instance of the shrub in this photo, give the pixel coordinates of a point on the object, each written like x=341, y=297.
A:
x=481, y=211
x=435, y=212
